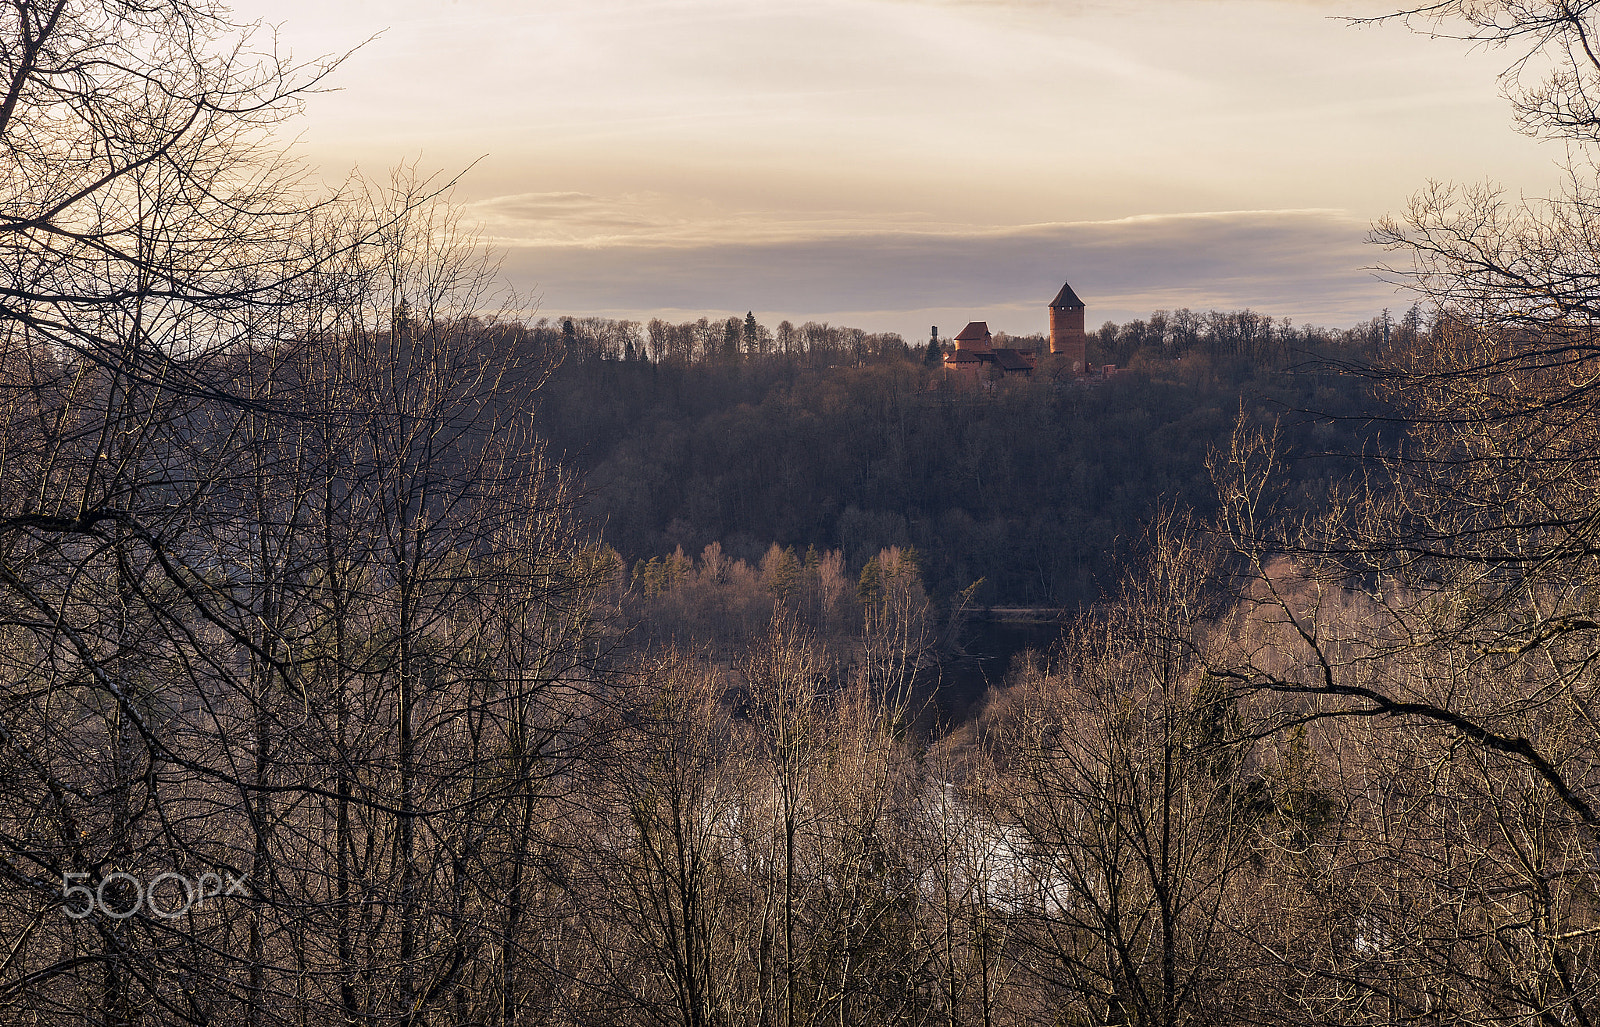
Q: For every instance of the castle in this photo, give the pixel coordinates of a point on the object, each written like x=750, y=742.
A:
x=976, y=357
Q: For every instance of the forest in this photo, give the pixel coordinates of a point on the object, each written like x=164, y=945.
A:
x=857, y=442
x=372, y=655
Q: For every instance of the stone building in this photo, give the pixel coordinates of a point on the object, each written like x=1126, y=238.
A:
x=976, y=358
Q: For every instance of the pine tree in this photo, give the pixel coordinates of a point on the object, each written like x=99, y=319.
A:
x=752, y=332
x=871, y=583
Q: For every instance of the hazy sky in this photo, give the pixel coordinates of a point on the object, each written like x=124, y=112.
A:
x=893, y=164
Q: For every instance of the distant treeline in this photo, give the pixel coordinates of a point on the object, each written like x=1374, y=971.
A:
x=723, y=431
x=708, y=342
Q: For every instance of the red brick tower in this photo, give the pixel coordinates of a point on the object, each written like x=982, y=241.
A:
x=1067, y=339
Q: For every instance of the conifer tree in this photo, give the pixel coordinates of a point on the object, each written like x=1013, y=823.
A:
x=752, y=332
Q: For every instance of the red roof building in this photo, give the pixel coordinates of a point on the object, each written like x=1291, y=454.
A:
x=976, y=358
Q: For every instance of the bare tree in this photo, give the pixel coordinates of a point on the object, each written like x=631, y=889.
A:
x=1459, y=723
x=294, y=617
x=655, y=871
x=149, y=222
x=1134, y=803
x=898, y=638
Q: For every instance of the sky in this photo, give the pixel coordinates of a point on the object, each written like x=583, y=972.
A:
x=897, y=164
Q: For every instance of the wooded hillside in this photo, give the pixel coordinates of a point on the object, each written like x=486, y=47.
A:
x=1042, y=489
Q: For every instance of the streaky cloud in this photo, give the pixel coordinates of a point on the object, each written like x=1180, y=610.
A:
x=1311, y=265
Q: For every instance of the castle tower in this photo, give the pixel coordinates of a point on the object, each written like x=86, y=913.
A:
x=1067, y=339
x=975, y=338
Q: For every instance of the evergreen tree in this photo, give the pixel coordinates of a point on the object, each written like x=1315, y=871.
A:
x=871, y=583
x=752, y=333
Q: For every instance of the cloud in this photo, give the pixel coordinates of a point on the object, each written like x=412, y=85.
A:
x=571, y=218
x=647, y=219
x=1306, y=264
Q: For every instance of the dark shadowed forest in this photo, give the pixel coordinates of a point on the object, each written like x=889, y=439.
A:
x=369, y=656
x=1040, y=489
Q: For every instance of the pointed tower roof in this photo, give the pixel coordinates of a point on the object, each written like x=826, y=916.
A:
x=1066, y=297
